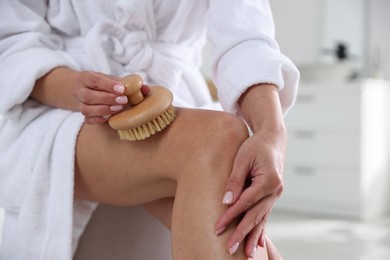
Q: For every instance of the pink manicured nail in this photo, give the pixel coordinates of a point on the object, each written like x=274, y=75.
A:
x=119, y=88
x=220, y=230
x=233, y=248
x=121, y=100
x=253, y=252
x=228, y=198
x=116, y=108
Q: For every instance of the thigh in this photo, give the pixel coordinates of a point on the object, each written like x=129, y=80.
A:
x=128, y=173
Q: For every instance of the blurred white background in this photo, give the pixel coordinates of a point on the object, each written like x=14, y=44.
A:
x=336, y=203
x=1, y=222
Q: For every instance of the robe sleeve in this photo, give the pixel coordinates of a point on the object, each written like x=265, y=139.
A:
x=245, y=52
x=29, y=49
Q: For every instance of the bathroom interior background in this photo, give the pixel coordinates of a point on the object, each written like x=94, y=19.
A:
x=336, y=200
x=336, y=203
x=338, y=157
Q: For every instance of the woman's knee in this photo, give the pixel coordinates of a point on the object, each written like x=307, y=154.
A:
x=225, y=135
x=215, y=143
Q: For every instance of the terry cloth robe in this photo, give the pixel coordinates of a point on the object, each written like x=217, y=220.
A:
x=161, y=40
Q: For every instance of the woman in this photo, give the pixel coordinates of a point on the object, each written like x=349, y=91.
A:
x=58, y=65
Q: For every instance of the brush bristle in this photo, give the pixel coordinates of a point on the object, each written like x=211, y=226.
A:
x=150, y=128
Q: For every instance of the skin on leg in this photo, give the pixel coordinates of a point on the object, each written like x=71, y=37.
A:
x=190, y=160
x=162, y=210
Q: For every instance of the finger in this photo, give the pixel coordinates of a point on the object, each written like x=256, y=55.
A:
x=248, y=198
x=93, y=97
x=96, y=120
x=145, y=90
x=99, y=110
x=251, y=219
x=109, y=76
x=261, y=254
x=100, y=82
x=236, y=181
x=261, y=239
x=273, y=253
x=252, y=239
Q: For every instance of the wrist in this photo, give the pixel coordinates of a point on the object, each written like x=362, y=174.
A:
x=260, y=108
x=56, y=88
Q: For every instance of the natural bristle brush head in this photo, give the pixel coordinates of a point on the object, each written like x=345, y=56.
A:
x=147, y=115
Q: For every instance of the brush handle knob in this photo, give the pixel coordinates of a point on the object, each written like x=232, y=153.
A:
x=133, y=84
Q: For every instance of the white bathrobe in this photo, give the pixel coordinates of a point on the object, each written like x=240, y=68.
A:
x=161, y=40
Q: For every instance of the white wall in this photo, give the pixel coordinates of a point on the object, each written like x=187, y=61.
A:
x=1, y=223
x=297, y=28
x=304, y=28
x=379, y=38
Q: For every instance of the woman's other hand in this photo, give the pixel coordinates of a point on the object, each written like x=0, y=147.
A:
x=262, y=156
x=256, y=180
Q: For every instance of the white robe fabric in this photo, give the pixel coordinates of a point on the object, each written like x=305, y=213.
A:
x=161, y=40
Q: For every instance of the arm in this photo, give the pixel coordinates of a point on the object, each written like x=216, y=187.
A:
x=262, y=158
x=256, y=100
x=29, y=49
x=55, y=89
x=55, y=80
x=259, y=83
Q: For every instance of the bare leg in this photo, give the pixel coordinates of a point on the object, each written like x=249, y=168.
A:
x=162, y=210
x=190, y=161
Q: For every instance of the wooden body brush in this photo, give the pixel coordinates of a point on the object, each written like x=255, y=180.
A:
x=147, y=115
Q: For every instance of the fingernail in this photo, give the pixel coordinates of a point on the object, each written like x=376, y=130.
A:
x=233, y=248
x=119, y=88
x=106, y=117
x=116, y=108
x=253, y=252
x=220, y=230
x=121, y=100
x=228, y=198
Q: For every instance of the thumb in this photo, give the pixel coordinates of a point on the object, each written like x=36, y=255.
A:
x=145, y=90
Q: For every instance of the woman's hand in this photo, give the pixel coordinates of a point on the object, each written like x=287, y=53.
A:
x=261, y=159
x=256, y=179
x=96, y=95
x=99, y=96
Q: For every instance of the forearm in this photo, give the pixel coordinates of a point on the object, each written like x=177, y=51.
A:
x=260, y=107
x=56, y=89
x=260, y=158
